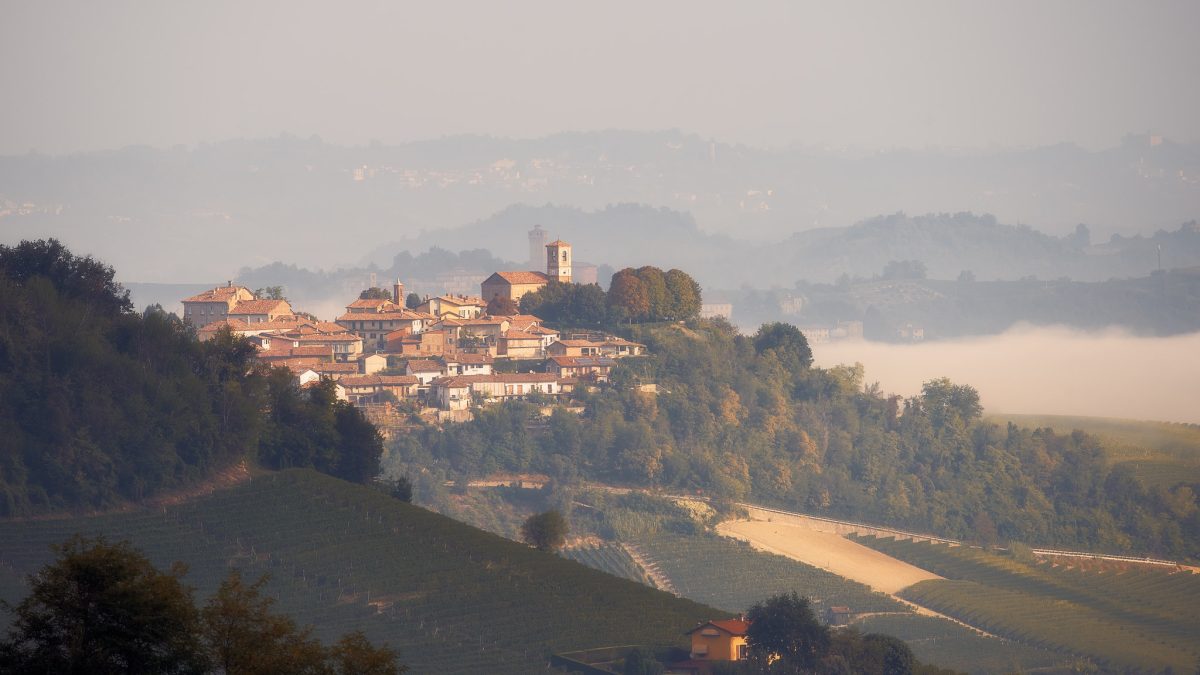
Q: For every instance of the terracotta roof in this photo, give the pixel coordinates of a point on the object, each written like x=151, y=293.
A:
x=218, y=294
x=520, y=277
x=579, y=343
x=462, y=300
x=521, y=335
x=424, y=366
x=542, y=330
x=522, y=321
x=731, y=626
x=371, y=303
x=484, y=321
x=335, y=367
x=261, y=307
x=558, y=242
x=377, y=380
x=298, y=365
x=622, y=342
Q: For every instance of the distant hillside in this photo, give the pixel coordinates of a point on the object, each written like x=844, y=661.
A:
x=343, y=557
x=179, y=214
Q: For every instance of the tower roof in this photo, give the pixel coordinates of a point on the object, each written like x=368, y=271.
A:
x=558, y=242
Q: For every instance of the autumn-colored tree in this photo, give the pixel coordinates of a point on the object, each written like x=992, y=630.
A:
x=685, y=294
x=628, y=293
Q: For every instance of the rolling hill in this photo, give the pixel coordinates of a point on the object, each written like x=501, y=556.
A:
x=343, y=557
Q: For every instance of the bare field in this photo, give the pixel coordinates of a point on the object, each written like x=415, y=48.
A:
x=828, y=551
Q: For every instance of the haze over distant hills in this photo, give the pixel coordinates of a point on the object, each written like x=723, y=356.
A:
x=189, y=215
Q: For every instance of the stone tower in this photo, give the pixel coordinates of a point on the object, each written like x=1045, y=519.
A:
x=537, y=246
x=558, y=261
x=398, y=293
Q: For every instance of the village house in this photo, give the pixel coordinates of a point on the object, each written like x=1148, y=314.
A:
x=260, y=311
x=335, y=371
x=373, y=319
x=716, y=641
x=457, y=392
x=425, y=370
x=593, y=368
x=610, y=346
x=372, y=388
x=426, y=343
x=369, y=364
x=310, y=378
x=467, y=364
x=214, y=305
x=516, y=344
x=459, y=306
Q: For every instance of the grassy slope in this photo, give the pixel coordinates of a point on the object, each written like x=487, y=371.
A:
x=344, y=557
x=1143, y=619
x=1159, y=452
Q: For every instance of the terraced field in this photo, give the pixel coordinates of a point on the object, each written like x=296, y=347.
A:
x=1143, y=620
x=343, y=557
x=607, y=557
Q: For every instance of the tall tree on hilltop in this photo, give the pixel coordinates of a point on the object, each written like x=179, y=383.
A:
x=657, y=296
x=628, y=293
x=685, y=294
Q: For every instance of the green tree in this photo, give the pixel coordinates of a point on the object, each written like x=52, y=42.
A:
x=412, y=301
x=375, y=293
x=657, y=296
x=402, y=489
x=355, y=655
x=784, y=626
x=246, y=638
x=685, y=294
x=103, y=608
x=628, y=293
x=788, y=343
x=270, y=293
x=546, y=531
x=946, y=402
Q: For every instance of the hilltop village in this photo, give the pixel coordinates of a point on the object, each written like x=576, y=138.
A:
x=440, y=354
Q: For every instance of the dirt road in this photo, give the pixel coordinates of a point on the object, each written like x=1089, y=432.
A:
x=828, y=551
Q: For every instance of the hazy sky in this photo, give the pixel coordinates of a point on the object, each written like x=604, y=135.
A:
x=88, y=75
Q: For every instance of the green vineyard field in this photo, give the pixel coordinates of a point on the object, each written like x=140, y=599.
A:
x=1140, y=619
x=342, y=557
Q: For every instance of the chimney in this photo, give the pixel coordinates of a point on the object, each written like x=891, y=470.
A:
x=229, y=284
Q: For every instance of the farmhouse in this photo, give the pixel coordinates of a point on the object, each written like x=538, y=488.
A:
x=455, y=393
x=717, y=641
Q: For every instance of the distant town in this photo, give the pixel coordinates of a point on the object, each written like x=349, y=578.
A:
x=442, y=353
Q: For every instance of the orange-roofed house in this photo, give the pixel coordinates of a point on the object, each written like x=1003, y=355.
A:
x=260, y=311
x=215, y=305
x=512, y=285
x=717, y=641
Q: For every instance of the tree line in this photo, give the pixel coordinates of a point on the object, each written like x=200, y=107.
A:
x=100, y=404
x=645, y=294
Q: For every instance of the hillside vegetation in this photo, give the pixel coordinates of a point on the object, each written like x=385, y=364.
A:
x=100, y=405
x=745, y=417
x=1159, y=453
x=344, y=557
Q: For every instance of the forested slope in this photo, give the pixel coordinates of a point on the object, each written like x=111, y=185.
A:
x=100, y=405
x=740, y=417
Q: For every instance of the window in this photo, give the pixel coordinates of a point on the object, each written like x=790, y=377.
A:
x=743, y=652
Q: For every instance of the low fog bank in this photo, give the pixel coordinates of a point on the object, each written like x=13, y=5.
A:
x=1047, y=370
